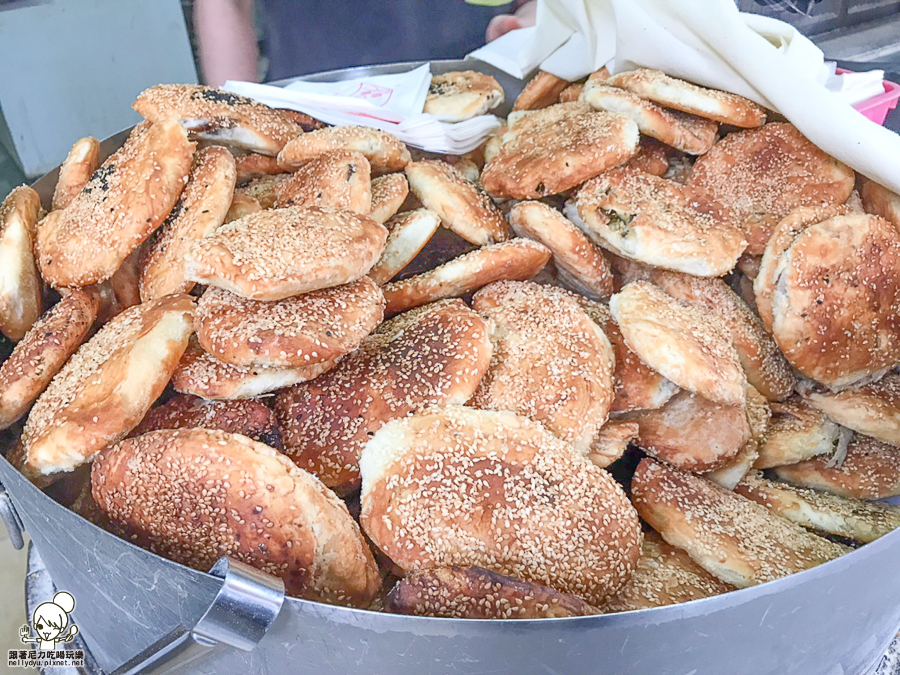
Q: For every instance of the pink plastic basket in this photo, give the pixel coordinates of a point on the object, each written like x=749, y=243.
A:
x=877, y=107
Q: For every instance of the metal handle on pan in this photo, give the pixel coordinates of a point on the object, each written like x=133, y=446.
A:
x=11, y=519
x=242, y=612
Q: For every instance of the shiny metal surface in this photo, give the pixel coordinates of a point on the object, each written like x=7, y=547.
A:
x=836, y=619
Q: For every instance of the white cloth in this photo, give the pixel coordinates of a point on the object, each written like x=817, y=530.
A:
x=711, y=43
x=392, y=103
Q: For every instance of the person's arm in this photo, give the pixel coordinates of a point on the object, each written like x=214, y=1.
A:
x=503, y=23
x=226, y=40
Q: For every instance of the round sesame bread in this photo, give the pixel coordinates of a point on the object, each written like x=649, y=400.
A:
x=275, y=254
x=820, y=511
x=871, y=409
x=579, y=263
x=201, y=209
x=836, y=308
x=194, y=495
x=515, y=260
x=764, y=365
x=554, y=149
x=201, y=374
x=734, y=539
x=637, y=386
x=219, y=116
x=462, y=95
x=796, y=432
x=462, y=206
x=781, y=240
x=664, y=575
x=341, y=179
x=249, y=418
x=611, y=442
x=253, y=165
x=658, y=222
x=20, y=284
x=713, y=104
x=123, y=203
x=43, y=351
x=242, y=205
x=692, y=433
x=457, y=486
x=477, y=593
x=541, y=91
x=388, y=194
x=870, y=471
x=653, y=157
x=880, y=201
x=683, y=343
x=688, y=133
x=386, y=154
x=299, y=331
x=761, y=175
x=408, y=233
x=108, y=385
x=551, y=362
x=82, y=160
x=263, y=189
x=431, y=356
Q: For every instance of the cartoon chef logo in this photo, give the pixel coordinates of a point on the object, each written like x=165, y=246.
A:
x=50, y=621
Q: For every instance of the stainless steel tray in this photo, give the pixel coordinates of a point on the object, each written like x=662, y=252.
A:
x=836, y=619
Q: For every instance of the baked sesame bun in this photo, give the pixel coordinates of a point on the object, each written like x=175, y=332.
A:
x=880, y=201
x=122, y=204
x=194, y=495
x=431, y=356
x=761, y=175
x=299, y=331
x=514, y=260
x=408, y=233
x=731, y=537
x=683, y=343
x=870, y=470
x=20, y=283
x=386, y=154
x=554, y=149
x=671, y=92
x=201, y=374
x=579, y=262
x=201, y=209
x=611, y=442
x=388, y=194
x=658, y=222
x=340, y=179
x=540, y=91
x=462, y=206
x=555, y=518
x=637, y=386
x=551, y=362
x=273, y=255
x=872, y=409
x=462, y=95
x=688, y=133
x=43, y=351
x=108, y=385
x=797, y=432
x=477, y=593
x=82, y=160
x=219, y=116
x=242, y=205
x=838, y=299
x=783, y=236
x=263, y=189
x=820, y=511
x=691, y=433
x=249, y=418
x=664, y=575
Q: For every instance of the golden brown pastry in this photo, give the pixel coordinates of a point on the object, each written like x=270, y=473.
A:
x=880, y=201
x=408, y=233
x=388, y=194
x=253, y=165
x=82, y=160
x=540, y=91
x=797, y=432
x=386, y=154
x=20, y=283
x=340, y=179
x=462, y=95
x=611, y=442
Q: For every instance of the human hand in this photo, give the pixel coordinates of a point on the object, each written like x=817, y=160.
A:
x=501, y=24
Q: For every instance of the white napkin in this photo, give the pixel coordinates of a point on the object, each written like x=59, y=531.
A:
x=392, y=103
x=708, y=42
